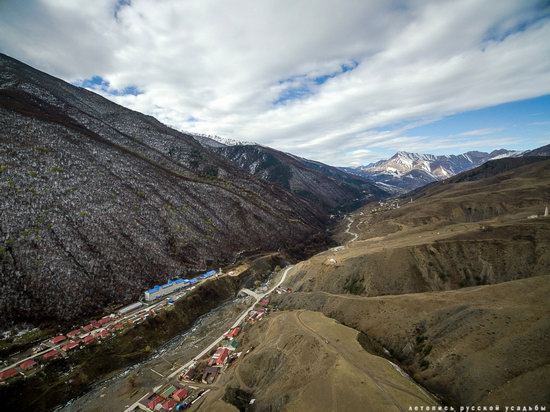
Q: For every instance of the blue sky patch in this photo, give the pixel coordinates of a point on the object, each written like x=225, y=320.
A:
x=120, y=4
x=99, y=83
x=305, y=84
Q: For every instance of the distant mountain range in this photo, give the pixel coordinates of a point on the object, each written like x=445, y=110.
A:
x=406, y=171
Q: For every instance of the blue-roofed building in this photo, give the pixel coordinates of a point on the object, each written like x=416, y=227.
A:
x=210, y=273
x=169, y=287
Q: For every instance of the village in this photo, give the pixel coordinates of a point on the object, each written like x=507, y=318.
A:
x=190, y=384
x=96, y=331
x=184, y=387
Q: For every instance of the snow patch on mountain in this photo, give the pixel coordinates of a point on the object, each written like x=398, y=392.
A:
x=218, y=141
x=407, y=171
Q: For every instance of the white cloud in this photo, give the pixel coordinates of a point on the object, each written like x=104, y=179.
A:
x=480, y=132
x=217, y=67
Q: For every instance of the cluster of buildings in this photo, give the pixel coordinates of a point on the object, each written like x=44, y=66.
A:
x=60, y=345
x=100, y=329
x=21, y=368
x=169, y=397
x=388, y=205
x=171, y=286
x=174, y=396
x=207, y=372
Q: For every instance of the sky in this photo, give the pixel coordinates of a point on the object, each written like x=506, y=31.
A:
x=341, y=82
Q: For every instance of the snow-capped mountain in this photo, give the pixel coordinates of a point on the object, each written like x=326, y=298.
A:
x=405, y=171
x=218, y=141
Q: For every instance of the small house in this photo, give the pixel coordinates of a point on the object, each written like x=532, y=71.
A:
x=8, y=373
x=50, y=355
x=57, y=339
x=29, y=363
x=169, y=404
x=180, y=394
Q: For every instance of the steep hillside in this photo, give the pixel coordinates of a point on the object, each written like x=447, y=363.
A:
x=453, y=234
x=484, y=345
x=315, y=182
x=541, y=151
x=304, y=361
x=99, y=202
x=451, y=283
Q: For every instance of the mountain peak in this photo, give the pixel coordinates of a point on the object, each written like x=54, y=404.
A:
x=408, y=170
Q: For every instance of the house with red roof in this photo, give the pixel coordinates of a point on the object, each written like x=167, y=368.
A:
x=104, y=320
x=8, y=373
x=234, y=332
x=88, y=328
x=51, y=355
x=57, y=339
x=103, y=333
x=154, y=402
x=169, y=405
x=180, y=394
x=223, y=356
x=29, y=363
x=69, y=346
x=118, y=326
x=73, y=333
x=88, y=340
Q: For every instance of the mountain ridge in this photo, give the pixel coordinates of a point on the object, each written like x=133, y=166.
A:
x=406, y=171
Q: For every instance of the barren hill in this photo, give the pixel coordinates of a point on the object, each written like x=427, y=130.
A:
x=304, y=361
x=483, y=345
x=452, y=284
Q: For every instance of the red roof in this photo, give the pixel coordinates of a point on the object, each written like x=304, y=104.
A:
x=51, y=354
x=169, y=404
x=8, y=373
x=69, y=346
x=88, y=327
x=95, y=324
x=57, y=339
x=180, y=394
x=104, y=333
x=88, y=339
x=154, y=402
x=104, y=320
x=222, y=357
x=29, y=363
x=234, y=332
x=264, y=302
x=73, y=333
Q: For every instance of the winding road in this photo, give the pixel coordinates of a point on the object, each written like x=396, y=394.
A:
x=237, y=323
x=349, y=232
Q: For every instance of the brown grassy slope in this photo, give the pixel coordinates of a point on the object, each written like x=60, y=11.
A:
x=479, y=345
x=456, y=235
x=304, y=361
x=522, y=190
x=420, y=260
